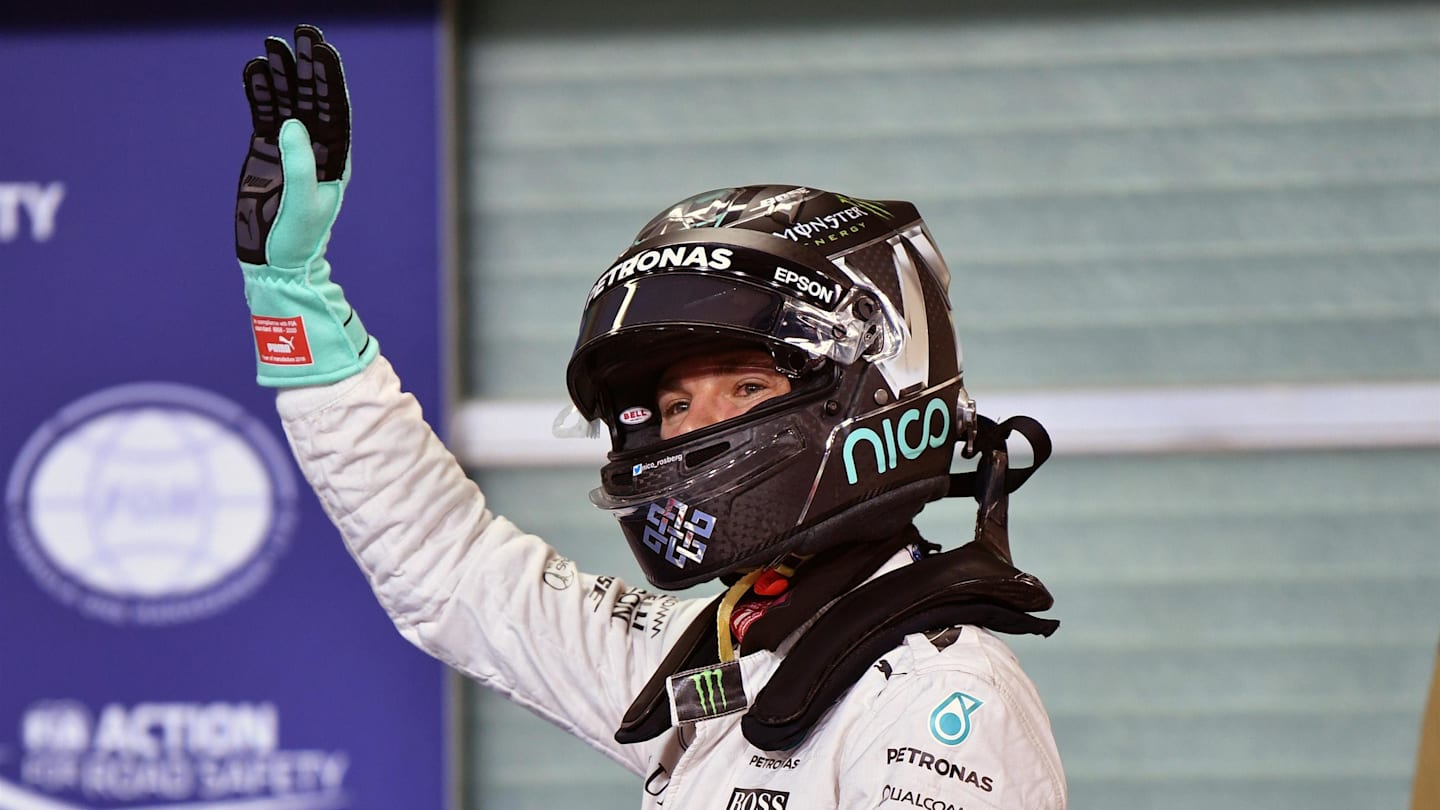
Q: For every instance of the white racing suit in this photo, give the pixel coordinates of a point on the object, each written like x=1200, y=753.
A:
x=941, y=725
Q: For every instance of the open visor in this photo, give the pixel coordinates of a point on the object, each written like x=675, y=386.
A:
x=646, y=316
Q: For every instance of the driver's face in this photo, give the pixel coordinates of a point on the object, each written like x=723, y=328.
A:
x=702, y=390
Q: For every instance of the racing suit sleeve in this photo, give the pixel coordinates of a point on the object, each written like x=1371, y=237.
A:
x=958, y=731
x=464, y=584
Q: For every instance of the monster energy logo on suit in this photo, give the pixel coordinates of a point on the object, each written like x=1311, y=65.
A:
x=707, y=684
x=699, y=694
x=929, y=431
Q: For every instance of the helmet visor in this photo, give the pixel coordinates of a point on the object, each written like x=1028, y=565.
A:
x=677, y=307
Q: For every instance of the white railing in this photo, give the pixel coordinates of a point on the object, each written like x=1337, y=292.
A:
x=1232, y=418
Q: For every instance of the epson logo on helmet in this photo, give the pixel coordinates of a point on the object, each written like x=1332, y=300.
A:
x=917, y=422
x=827, y=292
x=698, y=257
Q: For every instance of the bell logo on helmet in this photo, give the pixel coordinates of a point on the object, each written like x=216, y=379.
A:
x=638, y=415
x=895, y=442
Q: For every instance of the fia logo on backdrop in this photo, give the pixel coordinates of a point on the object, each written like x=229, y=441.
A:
x=150, y=504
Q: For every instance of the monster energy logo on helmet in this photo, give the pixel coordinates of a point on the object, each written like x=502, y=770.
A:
x=699, y=694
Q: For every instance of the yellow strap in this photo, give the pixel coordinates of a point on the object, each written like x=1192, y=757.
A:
x=727, y=606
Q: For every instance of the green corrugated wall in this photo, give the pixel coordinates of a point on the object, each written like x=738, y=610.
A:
x=1127, y=196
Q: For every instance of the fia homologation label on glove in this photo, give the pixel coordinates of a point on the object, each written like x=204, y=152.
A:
x=281, y=341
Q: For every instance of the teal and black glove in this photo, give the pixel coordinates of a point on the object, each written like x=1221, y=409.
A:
x=290, y=192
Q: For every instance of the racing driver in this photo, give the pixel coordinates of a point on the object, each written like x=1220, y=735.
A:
x=777, y=371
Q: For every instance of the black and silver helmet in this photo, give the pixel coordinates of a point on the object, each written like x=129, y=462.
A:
x=849, y=296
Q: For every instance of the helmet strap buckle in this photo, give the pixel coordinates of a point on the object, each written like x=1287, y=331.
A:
x=966, y=416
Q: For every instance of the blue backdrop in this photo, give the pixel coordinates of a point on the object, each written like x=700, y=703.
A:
x=179, y=622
